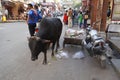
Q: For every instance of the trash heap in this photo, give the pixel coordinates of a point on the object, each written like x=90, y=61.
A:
x=71, y=33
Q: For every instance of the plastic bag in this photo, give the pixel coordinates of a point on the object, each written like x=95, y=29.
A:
x=62, y=54
x=78, y=55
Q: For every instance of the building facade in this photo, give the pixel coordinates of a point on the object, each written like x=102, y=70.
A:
x=15, y=8
x=0, y=6
x=98, y=13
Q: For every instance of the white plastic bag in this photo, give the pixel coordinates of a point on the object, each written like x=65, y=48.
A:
x=62, y=54
x=78, y=55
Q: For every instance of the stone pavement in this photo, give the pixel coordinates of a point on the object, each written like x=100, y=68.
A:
x=114, y=43
x=116, y=62
x=116, y=65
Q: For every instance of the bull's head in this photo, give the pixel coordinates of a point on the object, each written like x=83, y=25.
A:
x=37, y=45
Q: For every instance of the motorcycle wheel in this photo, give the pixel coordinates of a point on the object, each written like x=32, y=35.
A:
x=103, y=64
x=82, y=45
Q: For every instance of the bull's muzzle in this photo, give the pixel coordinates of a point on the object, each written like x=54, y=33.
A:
x=34, y=58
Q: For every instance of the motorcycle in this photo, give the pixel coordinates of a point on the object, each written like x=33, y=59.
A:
x=95, y=45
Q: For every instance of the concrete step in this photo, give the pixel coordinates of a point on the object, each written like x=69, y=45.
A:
x=116, y=65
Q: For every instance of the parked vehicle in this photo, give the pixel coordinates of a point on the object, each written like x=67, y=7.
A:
x=95, y=45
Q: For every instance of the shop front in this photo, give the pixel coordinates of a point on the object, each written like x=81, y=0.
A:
x=15, y=9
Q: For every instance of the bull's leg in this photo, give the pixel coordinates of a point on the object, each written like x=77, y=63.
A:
x=57, y=45
x=53, y=46
x=45, y=58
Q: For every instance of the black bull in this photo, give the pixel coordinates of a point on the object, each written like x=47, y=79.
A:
x=50, y=30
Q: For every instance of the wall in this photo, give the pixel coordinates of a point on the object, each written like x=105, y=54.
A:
x=104, y=15
x=98, y=13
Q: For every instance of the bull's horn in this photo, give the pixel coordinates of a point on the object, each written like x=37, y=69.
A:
x=32, y=37
x=46, y=41
x=38, y=38
x=35, y=37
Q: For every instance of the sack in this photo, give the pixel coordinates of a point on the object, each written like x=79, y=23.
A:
x=4, y=18
x=78, y=55
x=62, y=54
x=86, y=16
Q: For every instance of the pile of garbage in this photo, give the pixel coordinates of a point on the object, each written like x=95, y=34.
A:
x=64, y=55
x=75, y=33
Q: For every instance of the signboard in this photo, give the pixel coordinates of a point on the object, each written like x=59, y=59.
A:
x=116, y=11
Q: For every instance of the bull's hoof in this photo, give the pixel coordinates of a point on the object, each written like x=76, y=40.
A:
x=44, y=63
x=48, y=63
x=33, y=59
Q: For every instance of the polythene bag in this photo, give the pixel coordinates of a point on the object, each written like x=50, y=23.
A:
x=62, y=54
x=78, y=55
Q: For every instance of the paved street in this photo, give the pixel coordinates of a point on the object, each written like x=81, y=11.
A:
x=15, y=62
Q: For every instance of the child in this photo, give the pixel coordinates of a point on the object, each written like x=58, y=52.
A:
x=80, y=19
x=65, y=18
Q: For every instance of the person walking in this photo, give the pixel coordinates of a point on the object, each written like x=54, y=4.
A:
x=70, y=13
x=65, y=18
x=39, y=16
x=85, y=19
x=1, y=16
x=80, y=19
x=74, y=15
x=108, y=13
x=6, y=13
x=31, y=19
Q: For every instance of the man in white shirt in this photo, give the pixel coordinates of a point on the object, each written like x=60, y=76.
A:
x=6, y=13
x=1, y=15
